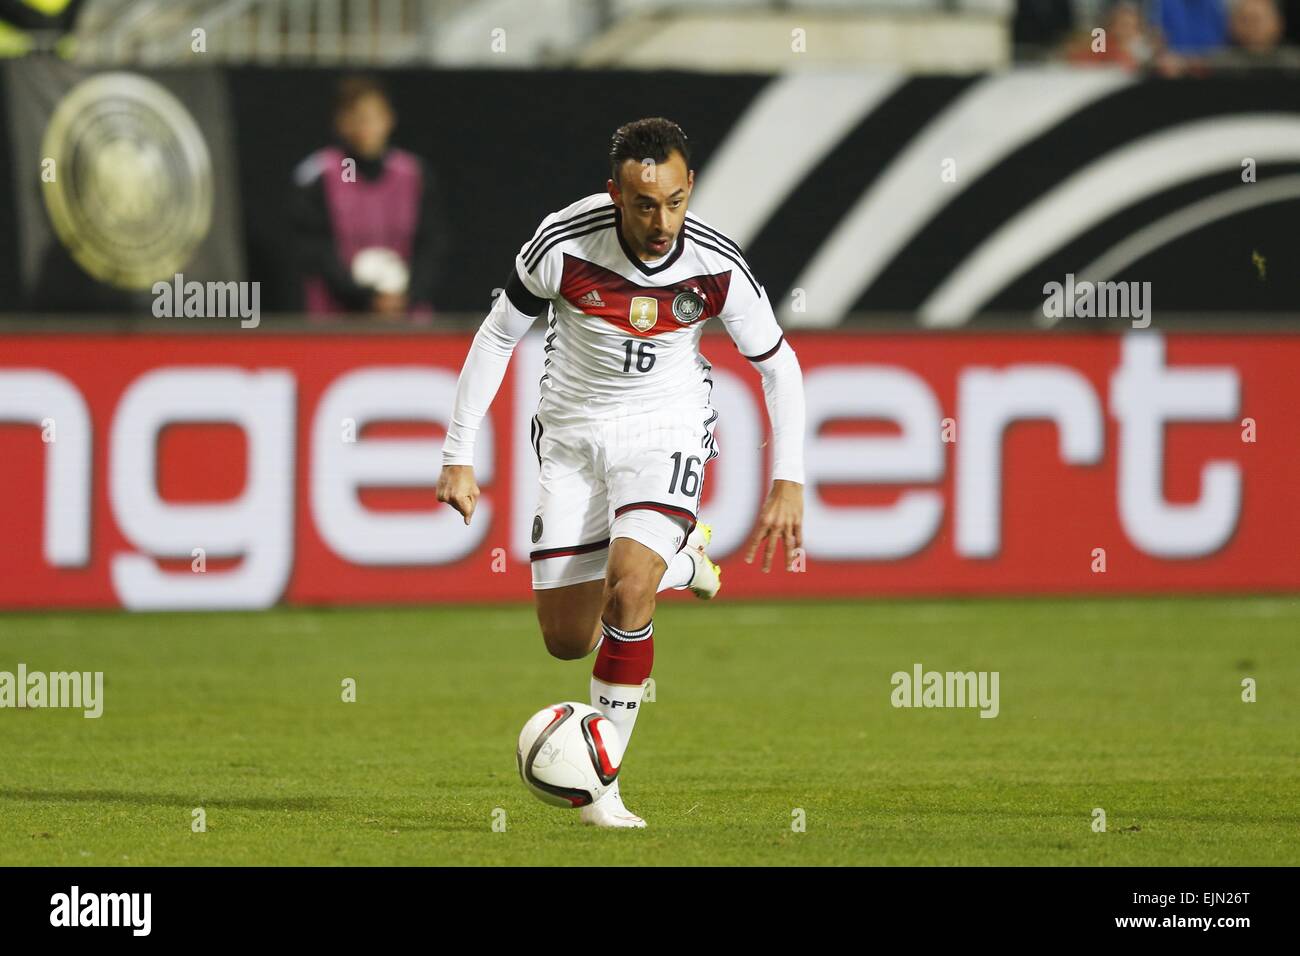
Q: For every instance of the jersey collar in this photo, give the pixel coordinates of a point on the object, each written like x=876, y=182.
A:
x=666, y=262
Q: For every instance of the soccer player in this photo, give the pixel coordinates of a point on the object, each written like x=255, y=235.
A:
x=625, y=426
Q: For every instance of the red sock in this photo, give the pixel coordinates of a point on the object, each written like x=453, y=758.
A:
x=625, y=657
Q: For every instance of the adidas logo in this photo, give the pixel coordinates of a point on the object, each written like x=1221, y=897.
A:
x=592, y=300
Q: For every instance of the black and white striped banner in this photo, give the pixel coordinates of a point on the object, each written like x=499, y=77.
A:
x=943, y=199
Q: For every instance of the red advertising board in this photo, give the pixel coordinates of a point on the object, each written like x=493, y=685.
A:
x=248, y=469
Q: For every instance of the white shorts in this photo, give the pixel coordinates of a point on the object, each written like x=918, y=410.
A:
x=637, y=475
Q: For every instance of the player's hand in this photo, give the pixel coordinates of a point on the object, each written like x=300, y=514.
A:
x=781, y=519
x=457, y=487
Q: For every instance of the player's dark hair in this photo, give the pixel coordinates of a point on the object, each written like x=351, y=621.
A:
x=651, y=138
x=355, y=87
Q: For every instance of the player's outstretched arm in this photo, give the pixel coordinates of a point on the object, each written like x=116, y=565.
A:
x=753, y=327
x=480, y=380
x=780, y=520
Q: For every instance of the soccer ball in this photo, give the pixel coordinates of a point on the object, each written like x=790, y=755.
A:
x=569, y=754
x=381, y=269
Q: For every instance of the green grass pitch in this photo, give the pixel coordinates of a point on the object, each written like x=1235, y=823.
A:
x=761, y=710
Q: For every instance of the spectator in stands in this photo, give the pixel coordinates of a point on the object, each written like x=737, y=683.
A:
x=1257, y=29
x=367, y=215
x=1193, y=27
x=1255, y=26
x=1128, y=40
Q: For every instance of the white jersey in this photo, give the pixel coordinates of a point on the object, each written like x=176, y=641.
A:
x=624, y=335
x=627, y=332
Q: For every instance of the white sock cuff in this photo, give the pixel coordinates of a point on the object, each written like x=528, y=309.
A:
x=618, y=634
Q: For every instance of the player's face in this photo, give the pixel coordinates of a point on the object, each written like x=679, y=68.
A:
x=653, y=197
x=366, y=125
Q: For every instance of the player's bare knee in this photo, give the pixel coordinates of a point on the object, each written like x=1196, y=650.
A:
x=630, y=598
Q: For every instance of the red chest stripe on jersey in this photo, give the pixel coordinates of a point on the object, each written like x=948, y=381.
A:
x=602, y=292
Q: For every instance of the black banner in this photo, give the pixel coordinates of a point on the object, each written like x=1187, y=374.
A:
x=947, y=199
